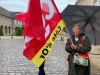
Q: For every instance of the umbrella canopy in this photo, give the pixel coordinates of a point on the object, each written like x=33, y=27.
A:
x=87, y=16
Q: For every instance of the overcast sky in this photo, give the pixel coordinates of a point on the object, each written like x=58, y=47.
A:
x=21, y=5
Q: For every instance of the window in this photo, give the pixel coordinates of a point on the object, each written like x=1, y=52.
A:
x=97, y=3
x=9, y=21
x=5, y=20
x=1, y=19
x=16, y=22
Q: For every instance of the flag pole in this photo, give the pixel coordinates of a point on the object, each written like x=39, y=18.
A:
x=65, y=26
x=70, y=39
x=68, y=34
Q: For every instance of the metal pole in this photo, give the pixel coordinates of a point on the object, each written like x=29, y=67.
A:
x=23, y=29
x=12, y=30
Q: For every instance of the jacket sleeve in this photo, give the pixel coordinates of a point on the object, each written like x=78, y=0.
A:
x=67, y=47
x=86, y=47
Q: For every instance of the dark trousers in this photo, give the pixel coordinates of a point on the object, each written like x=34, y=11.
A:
x=41, y=69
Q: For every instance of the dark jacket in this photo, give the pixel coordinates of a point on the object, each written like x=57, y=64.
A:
x=82, y=49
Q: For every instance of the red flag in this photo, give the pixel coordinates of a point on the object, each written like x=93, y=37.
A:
x=34, y=26
x=21, y=17
x=33, y=21
x=44, y=19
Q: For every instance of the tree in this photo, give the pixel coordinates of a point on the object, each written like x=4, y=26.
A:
x=1, y=32
x=18, y=31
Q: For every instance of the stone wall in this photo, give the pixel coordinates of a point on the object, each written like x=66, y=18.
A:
x=85, y=2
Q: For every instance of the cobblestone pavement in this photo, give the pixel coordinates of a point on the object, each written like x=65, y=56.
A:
x=12, y=62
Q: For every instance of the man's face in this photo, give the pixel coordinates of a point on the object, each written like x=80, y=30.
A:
x=77, y=30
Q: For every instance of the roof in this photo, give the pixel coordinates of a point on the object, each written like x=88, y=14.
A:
x=13, y=15
x=7, y=13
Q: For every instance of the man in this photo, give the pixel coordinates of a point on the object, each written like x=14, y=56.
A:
x=41, y=69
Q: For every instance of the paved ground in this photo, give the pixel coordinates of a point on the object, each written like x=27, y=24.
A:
x=12, y=62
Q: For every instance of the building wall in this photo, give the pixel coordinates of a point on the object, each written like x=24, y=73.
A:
x=85, y=2
x=7, y=24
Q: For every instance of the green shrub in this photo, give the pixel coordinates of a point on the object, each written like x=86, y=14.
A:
x=22, y=31
x=18, y=31
x=1, y=32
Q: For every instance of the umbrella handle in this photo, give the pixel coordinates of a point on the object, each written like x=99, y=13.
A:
x=69, y=35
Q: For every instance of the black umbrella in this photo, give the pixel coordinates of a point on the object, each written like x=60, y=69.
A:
x=87, y=16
